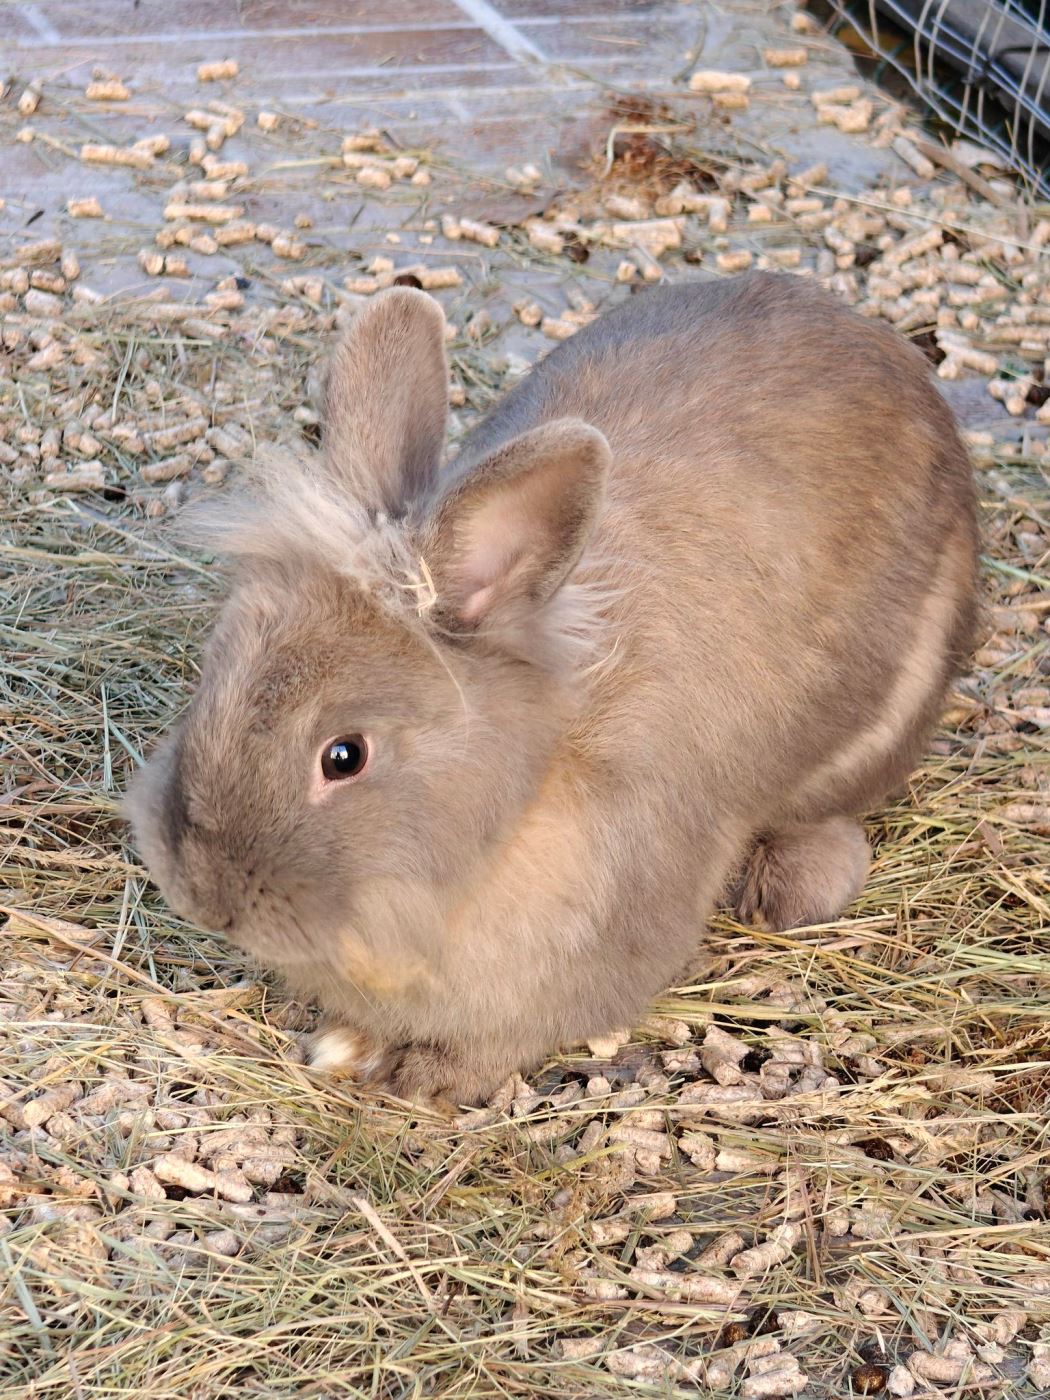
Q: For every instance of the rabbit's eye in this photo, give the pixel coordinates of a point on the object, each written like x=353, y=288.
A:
x=345, y=757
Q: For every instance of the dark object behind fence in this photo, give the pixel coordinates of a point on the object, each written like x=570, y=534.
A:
x=981, y=66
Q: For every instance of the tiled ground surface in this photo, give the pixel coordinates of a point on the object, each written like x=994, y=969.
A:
x=481, y=79
x=476, y=85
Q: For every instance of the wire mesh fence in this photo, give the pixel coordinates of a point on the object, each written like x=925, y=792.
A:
x=981, y=66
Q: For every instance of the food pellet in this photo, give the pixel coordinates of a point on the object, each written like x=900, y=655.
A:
x=371, y=140
x=737, y=261
x=216, y=71
x=718, y=212
x=208, y=189
x=477, y=232
x=838, y=95
x=785, y=58
x=203, y=213
x=656, y=236
x=285, y=246
x=47, y=281
x=223, y=169
x=134, y=156
x=47, y=358
x=230, y=300
x=713, y=80
x=86, y=476
x=545, y=238
x=156, y=145
x=852, y=118
x=373, y=177
x=647, y=265
x=435, y=278
x=168, y=469
x=238, y=233
x=924, y=168
x=624, y=207
x=108, y=90
x=44, y=250
x=88, y=208
x=361, y=286
x=731, y=101
x=45, y=304
x=29, y=100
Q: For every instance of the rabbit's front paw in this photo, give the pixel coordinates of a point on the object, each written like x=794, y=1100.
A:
x=338, y=1050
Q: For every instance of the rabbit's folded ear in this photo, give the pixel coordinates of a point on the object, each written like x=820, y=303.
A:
x=386, y=401
x=509, y=534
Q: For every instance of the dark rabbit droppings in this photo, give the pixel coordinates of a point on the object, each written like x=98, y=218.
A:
x=878, y=1148
x=869, y=1379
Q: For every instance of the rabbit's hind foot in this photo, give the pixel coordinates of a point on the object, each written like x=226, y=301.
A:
x=804, y=874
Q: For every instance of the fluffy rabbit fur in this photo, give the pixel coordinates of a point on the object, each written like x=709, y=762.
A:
x=684, y=605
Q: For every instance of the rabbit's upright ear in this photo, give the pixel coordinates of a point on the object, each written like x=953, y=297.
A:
x=509, y=534
x=386, y=400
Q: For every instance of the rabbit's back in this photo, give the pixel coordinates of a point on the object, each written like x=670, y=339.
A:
x=764, y=380
x=791, y=523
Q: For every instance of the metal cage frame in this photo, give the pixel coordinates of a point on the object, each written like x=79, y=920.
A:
x=981, y=66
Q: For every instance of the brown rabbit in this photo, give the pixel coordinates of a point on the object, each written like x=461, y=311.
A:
x=476, y=750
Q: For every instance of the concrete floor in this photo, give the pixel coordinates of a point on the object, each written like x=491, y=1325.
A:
x=485, y=80
x=478, y=84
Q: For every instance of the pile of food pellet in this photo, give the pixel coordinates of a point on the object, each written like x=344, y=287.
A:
x=958, y=260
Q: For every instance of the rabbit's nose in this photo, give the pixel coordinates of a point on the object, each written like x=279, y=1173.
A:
x=225, y=906
x=210, y=901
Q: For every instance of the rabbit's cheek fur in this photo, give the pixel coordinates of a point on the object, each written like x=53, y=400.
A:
x=382, y=978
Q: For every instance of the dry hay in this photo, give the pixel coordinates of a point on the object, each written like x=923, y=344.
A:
x=821, y=1168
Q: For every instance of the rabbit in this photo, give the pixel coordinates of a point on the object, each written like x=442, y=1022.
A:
x=477, y=748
